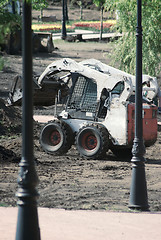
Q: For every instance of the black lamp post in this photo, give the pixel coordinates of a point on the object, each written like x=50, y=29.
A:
x=138, y=191
x=64, y=34
x=27, y=222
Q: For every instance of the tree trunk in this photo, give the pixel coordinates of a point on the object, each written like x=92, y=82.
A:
x=81, y=11
x=66, y=11
x=101, y=27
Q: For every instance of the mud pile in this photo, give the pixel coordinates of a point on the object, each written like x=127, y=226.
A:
x=10, y=128
x=10, y=119
x=10, y=132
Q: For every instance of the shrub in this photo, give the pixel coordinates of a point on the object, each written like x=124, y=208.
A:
x=126, y=46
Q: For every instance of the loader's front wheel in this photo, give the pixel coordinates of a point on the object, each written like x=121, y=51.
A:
x=56, y=137
x=92, y=141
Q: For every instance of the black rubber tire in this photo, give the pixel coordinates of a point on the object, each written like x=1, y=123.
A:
x=56, y=137
x=92, y=141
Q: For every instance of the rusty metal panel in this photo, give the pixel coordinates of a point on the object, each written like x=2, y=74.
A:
x=149, y=124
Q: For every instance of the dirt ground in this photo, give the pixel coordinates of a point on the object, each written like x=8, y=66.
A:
x=69, y=181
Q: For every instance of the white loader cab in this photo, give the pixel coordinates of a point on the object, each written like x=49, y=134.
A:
x=99, y=110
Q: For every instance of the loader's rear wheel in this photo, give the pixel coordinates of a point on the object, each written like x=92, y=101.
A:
x=92, y=141
x=56, y=137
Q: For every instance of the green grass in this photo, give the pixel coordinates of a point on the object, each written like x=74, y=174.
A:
x=1, y=63
x=4, y=204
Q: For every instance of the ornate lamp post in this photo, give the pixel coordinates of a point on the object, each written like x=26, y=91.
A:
x=138, y=191
x=27, y=222
x=64, y=34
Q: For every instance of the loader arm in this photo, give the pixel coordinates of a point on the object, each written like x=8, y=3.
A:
x=56, y=77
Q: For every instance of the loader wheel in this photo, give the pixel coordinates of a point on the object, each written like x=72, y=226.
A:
x=92, y=141
x=56, y=137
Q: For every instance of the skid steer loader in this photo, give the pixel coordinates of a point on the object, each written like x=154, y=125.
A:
x=99, y=108
x=99, y=111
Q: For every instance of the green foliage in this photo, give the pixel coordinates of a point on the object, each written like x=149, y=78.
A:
x=8, y=22
x=1, y=63
x=39, y=4
x=99, y=3
x=125, y=51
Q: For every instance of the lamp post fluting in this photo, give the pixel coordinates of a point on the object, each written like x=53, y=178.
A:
x=27, y=222
x=138, y=191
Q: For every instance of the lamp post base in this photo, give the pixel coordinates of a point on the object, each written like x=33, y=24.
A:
x=138, y=192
